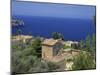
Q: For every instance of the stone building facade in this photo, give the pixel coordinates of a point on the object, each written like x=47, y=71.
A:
x=51, y=48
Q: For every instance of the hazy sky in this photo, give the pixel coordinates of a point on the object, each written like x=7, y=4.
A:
x=52, y=10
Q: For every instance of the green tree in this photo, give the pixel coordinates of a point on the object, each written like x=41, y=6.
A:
x=57, y=35
x=83, y=61
x=88, y=43
x=19, y=32
x=29, y=51
x=94, y=43
x=82, y=44
x=36, y=44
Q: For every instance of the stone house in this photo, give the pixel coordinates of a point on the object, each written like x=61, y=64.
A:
x=51, y=48
x=22, y=38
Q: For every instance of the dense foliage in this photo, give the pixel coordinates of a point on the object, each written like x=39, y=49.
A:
x=26, y=58
x=87, y=58
x=57, y=35
x=84, y=61
x=66, y=47
x=89, y=44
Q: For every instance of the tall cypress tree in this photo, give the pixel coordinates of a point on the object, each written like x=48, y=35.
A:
x=88, y=43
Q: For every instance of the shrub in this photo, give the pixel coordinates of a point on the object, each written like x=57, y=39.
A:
x=84, y=61
x=52, y=66
x=65, y=47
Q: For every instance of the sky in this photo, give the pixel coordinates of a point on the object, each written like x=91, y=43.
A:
x=52, y=10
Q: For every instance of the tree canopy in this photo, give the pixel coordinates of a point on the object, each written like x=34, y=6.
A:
x=57, y=35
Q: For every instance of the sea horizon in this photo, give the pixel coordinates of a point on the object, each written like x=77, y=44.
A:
x=71, y=28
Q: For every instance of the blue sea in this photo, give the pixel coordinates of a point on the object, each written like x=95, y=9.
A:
x=70, y=28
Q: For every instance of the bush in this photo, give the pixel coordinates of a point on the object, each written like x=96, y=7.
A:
x=52, y=66
x=84, y=61
x=75, y=46
x=26, y=59
x=65, y=47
